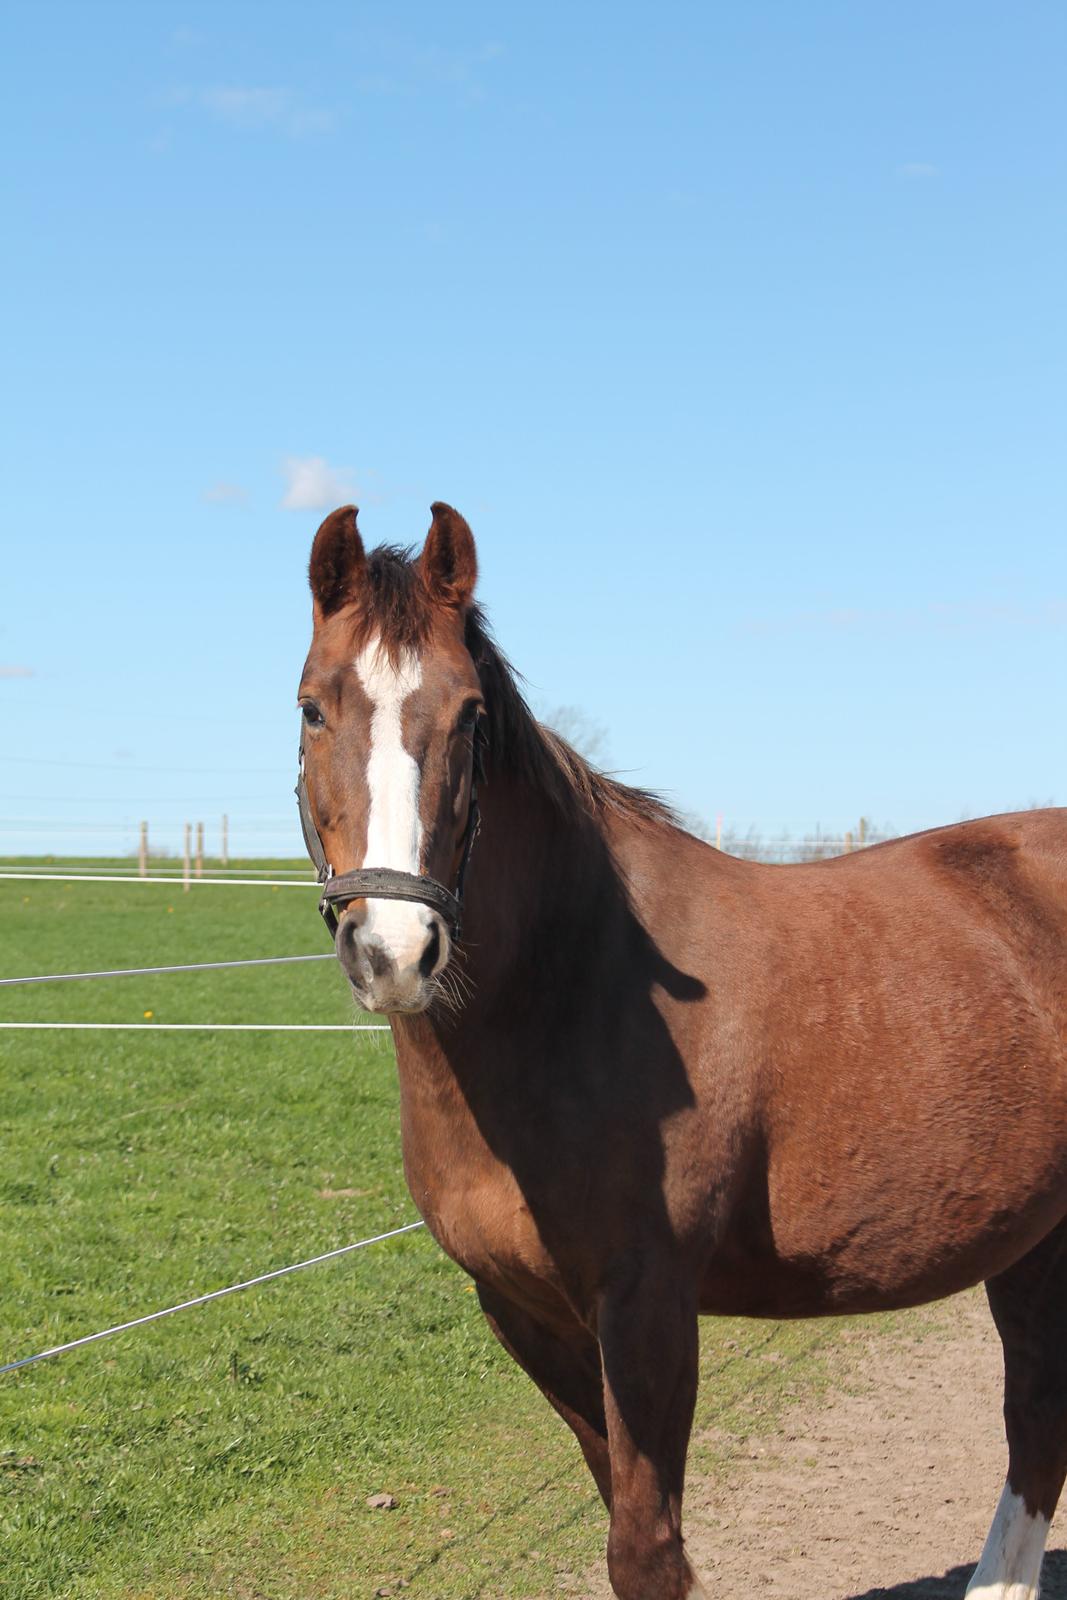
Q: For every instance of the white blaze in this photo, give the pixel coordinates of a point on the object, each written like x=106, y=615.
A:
x=1010, y=1568
x=394, y=827
x=394, y=831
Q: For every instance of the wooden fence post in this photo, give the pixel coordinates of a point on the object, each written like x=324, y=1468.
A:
x=848, y=843
x=142, y=852
x=225, y=840
x=718, y=831
x=863, y=832
x=185, y=857
x=200, y=849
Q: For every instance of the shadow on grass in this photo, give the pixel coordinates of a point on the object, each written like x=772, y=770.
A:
x=952, y=1584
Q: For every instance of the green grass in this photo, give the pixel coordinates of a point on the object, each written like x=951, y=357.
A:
x=229, y=1451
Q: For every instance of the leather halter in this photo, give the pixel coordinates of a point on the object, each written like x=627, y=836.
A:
x=385, y=883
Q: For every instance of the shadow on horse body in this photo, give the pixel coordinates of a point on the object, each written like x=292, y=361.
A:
x=647, y=1080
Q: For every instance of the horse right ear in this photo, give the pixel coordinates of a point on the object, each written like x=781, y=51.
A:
x=338, y=562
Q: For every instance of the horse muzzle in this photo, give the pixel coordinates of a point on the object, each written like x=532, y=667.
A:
x=392, y=952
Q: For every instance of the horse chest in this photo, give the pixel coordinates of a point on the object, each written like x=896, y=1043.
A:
x=485, y=1225
x=475, y=1209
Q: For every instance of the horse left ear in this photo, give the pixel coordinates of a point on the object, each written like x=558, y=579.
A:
x=449, y=562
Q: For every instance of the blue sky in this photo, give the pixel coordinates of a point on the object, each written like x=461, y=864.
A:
x=736, y=331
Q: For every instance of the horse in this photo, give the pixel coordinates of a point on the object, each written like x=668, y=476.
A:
x=642, y=1080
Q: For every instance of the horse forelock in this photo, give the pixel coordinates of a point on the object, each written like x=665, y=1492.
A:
x=392, y=606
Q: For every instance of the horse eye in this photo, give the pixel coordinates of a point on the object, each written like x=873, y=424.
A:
x=312, y=715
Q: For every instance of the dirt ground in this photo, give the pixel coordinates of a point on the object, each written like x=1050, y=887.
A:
x=882, y=1490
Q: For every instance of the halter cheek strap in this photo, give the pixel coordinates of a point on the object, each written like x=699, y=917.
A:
x=384, y=883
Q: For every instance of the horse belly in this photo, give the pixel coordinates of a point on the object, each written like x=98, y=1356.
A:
x=885, y=1223
x=913, y=1232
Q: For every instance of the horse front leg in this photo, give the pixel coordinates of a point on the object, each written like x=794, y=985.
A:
x=649, y=1348
x=567, y=1372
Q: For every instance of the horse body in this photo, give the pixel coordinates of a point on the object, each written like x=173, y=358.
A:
x=908, y=1041
x=653, y=1081
x=873, y=1107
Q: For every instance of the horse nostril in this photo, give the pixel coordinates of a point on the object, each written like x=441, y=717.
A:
x=428, y=959
x=347, y=949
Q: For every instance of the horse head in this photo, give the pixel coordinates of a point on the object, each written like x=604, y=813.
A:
x=391, y=704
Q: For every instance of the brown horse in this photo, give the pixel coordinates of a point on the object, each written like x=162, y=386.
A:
x=650, y=1080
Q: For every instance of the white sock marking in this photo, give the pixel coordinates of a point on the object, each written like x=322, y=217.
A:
x=1010, y=1568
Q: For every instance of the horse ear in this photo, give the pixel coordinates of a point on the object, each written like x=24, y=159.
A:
x=449, y=562
x=338, y=561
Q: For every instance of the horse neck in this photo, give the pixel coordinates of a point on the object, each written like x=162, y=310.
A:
x=542, y=896
x=543, y=880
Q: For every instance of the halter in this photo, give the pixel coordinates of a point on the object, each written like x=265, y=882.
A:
x=385, y=883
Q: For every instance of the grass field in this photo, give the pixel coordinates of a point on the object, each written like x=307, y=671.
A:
x=230, y=1451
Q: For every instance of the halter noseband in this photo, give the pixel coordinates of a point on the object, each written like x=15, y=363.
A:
x=385, y=883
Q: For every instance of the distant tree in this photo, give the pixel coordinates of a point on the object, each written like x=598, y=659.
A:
x=692, y=823
x=816, y=846
x=588, y=736
x=590, y=739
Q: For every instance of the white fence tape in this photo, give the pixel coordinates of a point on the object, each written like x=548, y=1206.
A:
x=202, y=1299
x=214, y=1027
x=99, y=877
x=185, y=966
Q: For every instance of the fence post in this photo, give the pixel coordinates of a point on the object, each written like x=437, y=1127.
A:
x=185, y=857
x=142, y=852
x=848, y=843
x=225, y=840
x=718, y=831
x=200, y=849
x=863, y=832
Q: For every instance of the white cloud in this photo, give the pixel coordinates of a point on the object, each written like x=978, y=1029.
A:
x=225, y=494
x=246, y=107
x=313, y=485
x=16, y=672
x=918, y=170
x=406, y=69
x=252, y=108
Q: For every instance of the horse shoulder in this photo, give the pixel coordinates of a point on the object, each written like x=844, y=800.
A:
x=469, y=1195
